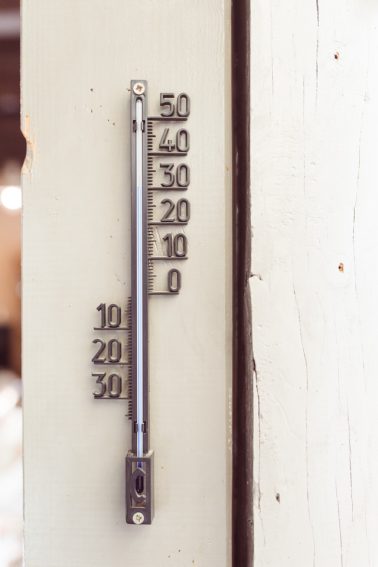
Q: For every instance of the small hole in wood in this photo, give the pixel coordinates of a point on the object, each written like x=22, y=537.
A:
x=337, y=55
x=341, y=267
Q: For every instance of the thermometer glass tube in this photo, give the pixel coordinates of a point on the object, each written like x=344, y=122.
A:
x=139, y=273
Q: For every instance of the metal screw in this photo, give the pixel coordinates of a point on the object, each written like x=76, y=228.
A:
x=138, y=518
x=139, y=88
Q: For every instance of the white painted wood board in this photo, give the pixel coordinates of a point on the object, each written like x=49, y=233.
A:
x=78, y=58
x=315, y=287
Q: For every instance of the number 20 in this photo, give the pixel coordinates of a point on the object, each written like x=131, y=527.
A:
x=114, y=351
x=182, y=211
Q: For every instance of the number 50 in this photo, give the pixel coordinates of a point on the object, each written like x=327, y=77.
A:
x=179, y=106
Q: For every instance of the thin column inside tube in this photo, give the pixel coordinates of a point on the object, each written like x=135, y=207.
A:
x=139, y=274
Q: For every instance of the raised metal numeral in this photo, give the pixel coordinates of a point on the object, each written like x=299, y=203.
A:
x=174, y=280
x=182, y=211
x=180, y=175
x=113, y=352
x=96, y=358
x=110, y=316
x=181, y=107
x=167, y=103
x=110, y=386
x=182, y=141
x=177, y=245
x=165, y=143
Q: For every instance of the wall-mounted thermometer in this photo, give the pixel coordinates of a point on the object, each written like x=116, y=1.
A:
x=159, y=146
x=139, y=461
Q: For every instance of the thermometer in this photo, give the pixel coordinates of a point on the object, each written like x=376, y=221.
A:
x=159, y=172
x=139, y=461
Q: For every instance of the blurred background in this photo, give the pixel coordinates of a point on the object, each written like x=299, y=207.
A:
x=12, y=152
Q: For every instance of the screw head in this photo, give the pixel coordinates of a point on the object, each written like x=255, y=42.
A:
x=138, y=518
x=139, y=88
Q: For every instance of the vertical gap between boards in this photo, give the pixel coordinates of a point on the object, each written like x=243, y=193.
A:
x=242, y=483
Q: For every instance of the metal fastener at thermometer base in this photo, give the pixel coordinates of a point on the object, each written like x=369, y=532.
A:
x=159, y=146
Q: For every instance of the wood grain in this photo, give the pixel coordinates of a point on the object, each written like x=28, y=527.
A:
x=314, y=289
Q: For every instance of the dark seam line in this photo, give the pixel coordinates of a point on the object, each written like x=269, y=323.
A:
x=242, y=482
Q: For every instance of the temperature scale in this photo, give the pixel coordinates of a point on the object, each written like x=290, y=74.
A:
x=159, y=173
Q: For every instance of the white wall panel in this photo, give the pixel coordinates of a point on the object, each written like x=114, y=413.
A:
x=78, y=60
x=315, y=285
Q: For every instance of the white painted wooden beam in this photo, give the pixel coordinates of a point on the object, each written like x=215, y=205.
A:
x=315, y=287
x=78, y=60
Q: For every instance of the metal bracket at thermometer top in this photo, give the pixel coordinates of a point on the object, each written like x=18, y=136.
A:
x=139, y=461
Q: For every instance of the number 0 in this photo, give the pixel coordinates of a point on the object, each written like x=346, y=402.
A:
x=183, y=105
x=174, y=280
